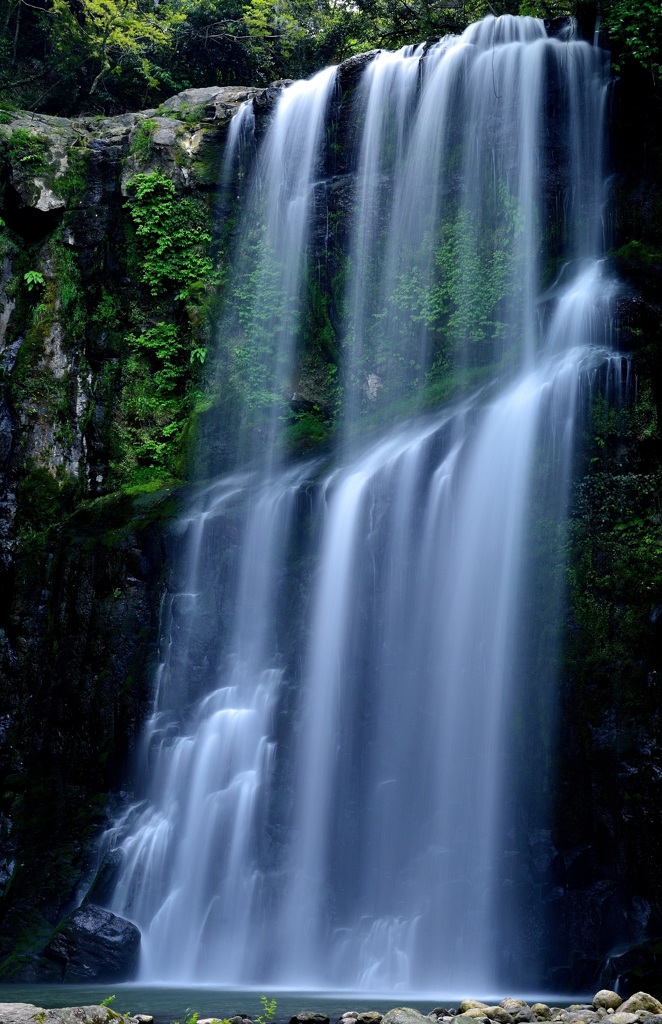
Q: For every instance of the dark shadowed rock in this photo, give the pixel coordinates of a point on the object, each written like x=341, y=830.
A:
x=91, y=944
x=350, y=71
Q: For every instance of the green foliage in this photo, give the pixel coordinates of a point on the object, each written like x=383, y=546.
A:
x=615, y=565
x=71, y=185
x=616, y=574
x=269, y=1007
x=114, y=55
x=33, y=279
x=169, y=255
x=29, y=149
x=189, y=1018
x=44, y=498
x=142, y=140
x=172, y=235
x=256, y=358
x=475, y=266
x=111, y=34
x=635, y=27
x=308, y=430
x=155, y=403
x=443, y=324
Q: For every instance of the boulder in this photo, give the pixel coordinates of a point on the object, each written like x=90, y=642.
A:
x=27, y=1013
x=309, y=1017
x=624, y=1018
x=513, y=1006
x=641, y=1001
x=17, y=1013
x=542, y=1011
x=369, y=1017
x=405, y=1015
x=607, y=999
x=472, y=1004
x=498, y=1014
x=91, y=944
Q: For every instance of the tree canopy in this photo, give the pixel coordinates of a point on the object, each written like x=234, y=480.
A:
x=108, y=56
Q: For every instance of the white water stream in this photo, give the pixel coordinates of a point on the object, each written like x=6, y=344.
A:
x=329, y=771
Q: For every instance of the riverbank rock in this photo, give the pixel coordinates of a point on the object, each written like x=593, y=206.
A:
x=607, y=999
x=91, y=944
x=28, y=1013
x=404, y=1015
x=641, y=1001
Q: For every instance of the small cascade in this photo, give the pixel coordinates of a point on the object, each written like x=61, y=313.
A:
x=352, y=648
x=262, y=313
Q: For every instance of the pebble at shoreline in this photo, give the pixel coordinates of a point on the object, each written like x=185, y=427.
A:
x=641, y=1008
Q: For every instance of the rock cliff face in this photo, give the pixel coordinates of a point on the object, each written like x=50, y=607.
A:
x=604, y=880
x=90, y=478
x=83, y=535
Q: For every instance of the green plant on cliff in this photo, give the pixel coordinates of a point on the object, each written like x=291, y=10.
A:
x=33, y=279
x=256, y=358
x=155, y=404
x=172, y=237
x=615, y=568
x=142, y=145
x=169, y=255
x=29, y=149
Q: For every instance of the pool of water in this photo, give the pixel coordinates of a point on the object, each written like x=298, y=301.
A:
x=167, y=1003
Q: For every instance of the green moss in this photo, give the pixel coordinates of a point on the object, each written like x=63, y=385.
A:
x=44, y=498
x=615, y=546
x=30, y=150
x=72, y=184
x=142, y=145
x=308, y=431
x=637, y=253
x=169, y=243
x=35, y=387
x=172, y=237
x=208, y=157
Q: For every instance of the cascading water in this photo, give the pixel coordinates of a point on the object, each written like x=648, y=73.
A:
x=329, y=770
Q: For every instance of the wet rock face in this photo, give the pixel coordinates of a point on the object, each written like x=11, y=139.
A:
x=94, y=945
x=78, y=606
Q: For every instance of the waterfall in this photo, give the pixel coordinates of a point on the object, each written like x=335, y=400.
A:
x=353, y=648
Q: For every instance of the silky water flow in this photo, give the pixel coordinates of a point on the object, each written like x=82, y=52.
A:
x=330, y=792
